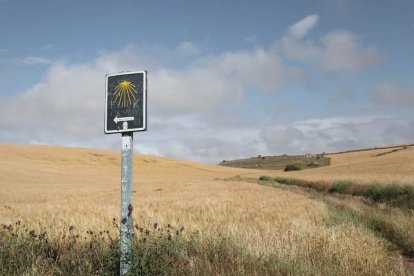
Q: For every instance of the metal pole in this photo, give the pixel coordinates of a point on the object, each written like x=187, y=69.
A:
x=126, y=202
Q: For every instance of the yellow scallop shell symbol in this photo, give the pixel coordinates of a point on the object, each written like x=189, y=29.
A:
x=124, y=94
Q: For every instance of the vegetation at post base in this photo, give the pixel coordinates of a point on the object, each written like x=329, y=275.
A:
x=156, y=251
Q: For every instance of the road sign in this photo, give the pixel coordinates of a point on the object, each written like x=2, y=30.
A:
x=126, y=112
x=126, y=102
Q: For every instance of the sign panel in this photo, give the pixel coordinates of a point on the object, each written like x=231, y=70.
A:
x=126, y=102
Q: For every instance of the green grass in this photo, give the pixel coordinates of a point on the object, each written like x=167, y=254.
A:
x=292, y=167
x=393, y=194
x=285, y=180
x=265, y=178
x=341, y=187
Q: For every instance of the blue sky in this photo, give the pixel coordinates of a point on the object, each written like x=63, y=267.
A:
x=227, y=79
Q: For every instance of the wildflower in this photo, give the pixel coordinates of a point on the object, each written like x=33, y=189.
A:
x=188, y=263
x=32, y=234
x=42, y=236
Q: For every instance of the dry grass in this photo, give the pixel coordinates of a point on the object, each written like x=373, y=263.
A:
x=364, y=167
x=68, y=186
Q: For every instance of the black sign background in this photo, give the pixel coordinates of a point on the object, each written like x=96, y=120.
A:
x=136, y=109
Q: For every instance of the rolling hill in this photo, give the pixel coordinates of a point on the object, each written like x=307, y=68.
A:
x=54, y=189
x=394, y=164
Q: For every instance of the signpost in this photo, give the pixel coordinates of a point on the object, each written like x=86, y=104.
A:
x=126, y=112
x=126, y=101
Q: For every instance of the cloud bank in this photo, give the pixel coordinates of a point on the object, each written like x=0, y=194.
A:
x=194, y=110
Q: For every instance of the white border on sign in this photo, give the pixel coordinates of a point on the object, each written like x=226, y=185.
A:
x=144, y=104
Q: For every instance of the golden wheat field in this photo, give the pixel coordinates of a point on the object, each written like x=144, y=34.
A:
x=378, y=165
x=63, y=186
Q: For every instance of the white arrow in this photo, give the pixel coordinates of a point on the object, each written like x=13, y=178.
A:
x=123, y=119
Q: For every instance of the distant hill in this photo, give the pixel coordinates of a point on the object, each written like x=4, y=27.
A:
x=305, y=161
x=386, y=164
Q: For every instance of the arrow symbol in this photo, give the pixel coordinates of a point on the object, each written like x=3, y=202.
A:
x=123, y=119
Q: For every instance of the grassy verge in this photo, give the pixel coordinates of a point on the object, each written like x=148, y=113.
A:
x=393, y=224
x=393, y=194
x=388, y=213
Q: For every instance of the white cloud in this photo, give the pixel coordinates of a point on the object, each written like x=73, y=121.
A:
x=193, y=90
x=343, y=51
x=187, y=48
x=306, y=50
x=31, y=60
x=336, y=51
x=337, y=133
x=66, y=107
x=302, y=27
x=295, y=46
x=394, y=94
x=260, y=67
x=399, y=132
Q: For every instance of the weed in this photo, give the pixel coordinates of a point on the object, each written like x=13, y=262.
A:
x=340, y=187
x=285, y=180
x=292, y=167
x=265, y=178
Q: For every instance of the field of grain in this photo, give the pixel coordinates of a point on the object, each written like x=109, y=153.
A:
x=379, y=165
x=60, y=187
